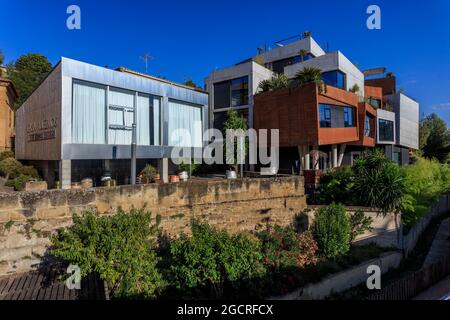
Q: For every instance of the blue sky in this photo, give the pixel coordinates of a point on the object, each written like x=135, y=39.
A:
x=188, y=39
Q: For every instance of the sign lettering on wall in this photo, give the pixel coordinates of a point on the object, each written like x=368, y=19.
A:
x=42, y=130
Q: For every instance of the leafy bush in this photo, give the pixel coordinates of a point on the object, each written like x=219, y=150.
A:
x=337, y=186
x=359, y=224
x=332, y=229
x=19, y=182
x=149, y=172
x=210, y=258
x=379, y=183
x=426, y=180
x=119, y=248
x=6, y=154
x=10, y=168
x=284, y=248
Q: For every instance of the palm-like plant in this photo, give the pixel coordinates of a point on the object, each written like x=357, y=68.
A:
x=303, y=53
x=265, y=85
x=279, y=81
x=310, y=75
x=380, y=183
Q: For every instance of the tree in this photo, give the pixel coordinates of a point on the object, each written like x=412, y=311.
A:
x=303, y=53
x=235, y=122
x=310, y=75
x=380, y=184
x=2, y=57
x=434, y=138
x=27, y=72
x=191, y=83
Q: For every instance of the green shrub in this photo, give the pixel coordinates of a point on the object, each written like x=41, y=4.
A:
x=10, y=168
x=337, y=186
x=19, y=182
x=284, y=248
x=426, y=180
x=379, y=183
x=6, y=154
x=210, y=258
x=29, y=171
x=359, y=224
x=119, y=248
x=332, y=229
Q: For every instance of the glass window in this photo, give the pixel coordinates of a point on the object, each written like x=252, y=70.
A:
x=120, y=116
x=385, y=130
x=148, y=120
x=222, y=95
x=239, y=92
x=349, y=119
x=367, y=126
x=185, y=124
x=334, y=78
x=325, y=116
x=332, y=116
x=88, y=113
x=376, y=103
x=231, y=93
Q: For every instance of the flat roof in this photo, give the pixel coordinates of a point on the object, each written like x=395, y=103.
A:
x=144, y=75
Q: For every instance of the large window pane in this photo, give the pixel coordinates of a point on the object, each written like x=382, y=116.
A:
x=349, y=117
x=222, y=95
x=120, y=116
x=332, y=116
x=239, y=92
x=185, y=124
x=156, y=121
x=143, y=120
x=148, y=120
x=334, y=78
x=325, y=116
x=231, y=93
x=386, y=130
x=88, y=113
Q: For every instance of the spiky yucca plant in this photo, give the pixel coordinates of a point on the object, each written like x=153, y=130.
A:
x=279, y=81
x=310, y=75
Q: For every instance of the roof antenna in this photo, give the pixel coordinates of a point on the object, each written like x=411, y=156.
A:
x=146, y=57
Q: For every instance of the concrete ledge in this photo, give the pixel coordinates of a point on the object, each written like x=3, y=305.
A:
x=343, y=280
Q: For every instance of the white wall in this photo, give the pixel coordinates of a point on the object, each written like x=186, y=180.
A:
x=255, y=72
x=293, y=49
x=407, y=120
x=328, y=62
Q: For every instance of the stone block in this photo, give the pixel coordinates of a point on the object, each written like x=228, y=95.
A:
x=36, y=185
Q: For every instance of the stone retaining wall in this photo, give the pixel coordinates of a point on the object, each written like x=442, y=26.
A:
x=27, y=219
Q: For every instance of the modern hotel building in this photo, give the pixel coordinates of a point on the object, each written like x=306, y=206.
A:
x=355, y=113
x=78, y=123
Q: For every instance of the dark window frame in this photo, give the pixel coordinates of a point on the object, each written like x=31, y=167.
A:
x=383, y=134
x=229, y=93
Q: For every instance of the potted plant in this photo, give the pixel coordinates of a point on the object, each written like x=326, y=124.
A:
x=149, y=173
x=234, y=122
x=183, y=171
